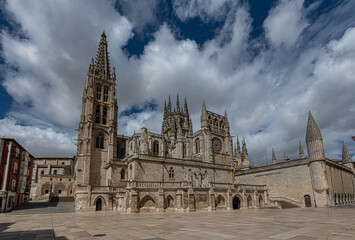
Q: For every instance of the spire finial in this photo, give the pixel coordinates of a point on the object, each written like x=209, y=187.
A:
x=346, y=155
x=238, y=146
x=164, y=108
x=313, y=131
x=169, y=105
x=203, y=112
x=273, y=156
x=300, y=150
x=186, y=109
x=177, y=103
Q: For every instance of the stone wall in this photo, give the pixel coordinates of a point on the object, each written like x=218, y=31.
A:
x=289, y=181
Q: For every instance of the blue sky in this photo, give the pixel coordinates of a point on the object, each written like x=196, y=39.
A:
x=267, y=63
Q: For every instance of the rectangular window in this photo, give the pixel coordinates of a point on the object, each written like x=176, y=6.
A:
x=13, y=186
x=98, y=93
x=97, y=114
x=105, y=94
x=15, y=168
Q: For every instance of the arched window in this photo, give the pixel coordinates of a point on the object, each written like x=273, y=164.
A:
x=97, y=114
x=197, y=145
x=155, y=147
x=104, y=116
x=55, y=172
x=100, y=141
x=98, y=93
x=171, y=173
x=105, y=94
x=122, y=174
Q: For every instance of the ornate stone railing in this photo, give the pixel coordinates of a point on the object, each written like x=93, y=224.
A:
x=250, y=187
x=220, y=185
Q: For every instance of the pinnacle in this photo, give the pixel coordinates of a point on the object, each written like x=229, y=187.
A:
x=177, y=103
x=169, y=104
x=346, y=155
x=313, y=131
x=273, y=156
x=186, y=109
x=301, y=152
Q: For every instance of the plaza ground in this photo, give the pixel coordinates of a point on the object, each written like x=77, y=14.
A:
x=60, y=222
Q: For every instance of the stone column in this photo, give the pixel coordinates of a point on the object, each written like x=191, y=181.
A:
x=191, y=200
x=212, y=202
x=88, y=189
x=179, y=204
x=161, y=200
x=133, y=202
x=255, y=195
x=229, y=200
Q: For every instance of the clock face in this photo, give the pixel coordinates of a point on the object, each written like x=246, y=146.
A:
x=216, y=145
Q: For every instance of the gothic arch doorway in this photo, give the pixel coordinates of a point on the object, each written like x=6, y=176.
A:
x=307, y=201
x=236, y=203
x=98, y=204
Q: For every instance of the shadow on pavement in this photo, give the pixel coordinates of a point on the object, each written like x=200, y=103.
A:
x=43, y=207
x=30, y=234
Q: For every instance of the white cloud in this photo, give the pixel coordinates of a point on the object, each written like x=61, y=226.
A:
x=267, y=96
x=39, y=142
x=52, y=60
x=285, y=22
x=205, y=9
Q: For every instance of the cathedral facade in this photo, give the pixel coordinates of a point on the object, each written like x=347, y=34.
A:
x=182, y=170
x=176, y=170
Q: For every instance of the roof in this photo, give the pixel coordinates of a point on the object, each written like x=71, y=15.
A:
x=53, y=158
x=283, y=161
x=17, y=143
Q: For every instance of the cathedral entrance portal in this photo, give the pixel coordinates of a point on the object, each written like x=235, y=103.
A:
x=236, y=203
x=98, y=204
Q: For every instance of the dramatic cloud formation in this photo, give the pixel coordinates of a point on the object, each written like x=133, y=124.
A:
x=267, y=84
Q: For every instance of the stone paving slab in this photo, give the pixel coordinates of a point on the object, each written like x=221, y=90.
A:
x=295, y=224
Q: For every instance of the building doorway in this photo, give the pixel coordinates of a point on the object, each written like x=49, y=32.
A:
x=307, y=201
x=236, y=203
x=98, y=204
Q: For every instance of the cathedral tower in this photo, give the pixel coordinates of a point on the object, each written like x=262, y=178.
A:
x=217, y=141
x=177, y=130
x=98, y=123
x=317, y=162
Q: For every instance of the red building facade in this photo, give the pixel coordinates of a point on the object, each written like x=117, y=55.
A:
x=15, y=174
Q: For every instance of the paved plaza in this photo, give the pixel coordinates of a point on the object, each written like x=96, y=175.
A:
x=305, y=224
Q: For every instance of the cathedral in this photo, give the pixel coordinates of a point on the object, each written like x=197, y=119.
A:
x=177, y=169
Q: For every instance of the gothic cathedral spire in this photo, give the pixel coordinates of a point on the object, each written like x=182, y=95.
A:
x=102, y=64
x=98, y=125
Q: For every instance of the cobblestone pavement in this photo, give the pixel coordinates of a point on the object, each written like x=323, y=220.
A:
x=305, y=224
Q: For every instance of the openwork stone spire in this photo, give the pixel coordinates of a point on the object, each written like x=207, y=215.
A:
x=313, y=131
x=346, y=154
x=300, y=149
x=102, y=64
